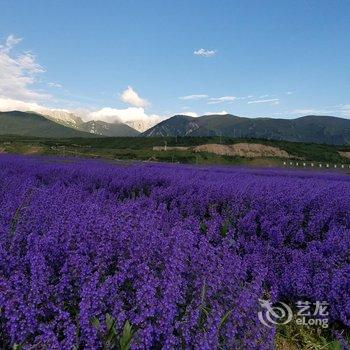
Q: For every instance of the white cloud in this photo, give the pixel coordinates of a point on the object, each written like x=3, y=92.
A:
x=8, y=104
x=193, y=97
x=112, y=115
x=10, y=42
x=18, y=73
x=289, y=92
x=217, y=113
x=311, y=111
x=131, y=97
x=223, y=99
x=245, y=97
x=344, y=109
x=273, y=101
x=190, y=114
x=55, y=85
x=205, y=53
x=107, y=114
x=340, y=110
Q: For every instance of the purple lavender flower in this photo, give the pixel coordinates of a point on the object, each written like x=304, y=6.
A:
x=181, y=253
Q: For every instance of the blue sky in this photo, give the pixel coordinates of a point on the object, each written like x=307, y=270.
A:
x=254, y=58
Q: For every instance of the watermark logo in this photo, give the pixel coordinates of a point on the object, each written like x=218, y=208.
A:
x=307, y=313
x=279, y=313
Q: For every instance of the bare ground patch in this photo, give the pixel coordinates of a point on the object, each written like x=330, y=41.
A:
x=345, y=154
x=33, y=150
x=249, y=150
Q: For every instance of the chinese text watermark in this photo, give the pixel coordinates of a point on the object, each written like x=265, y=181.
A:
x=307, y=313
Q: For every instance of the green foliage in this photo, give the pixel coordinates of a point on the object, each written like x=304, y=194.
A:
x=203, y=227
x=110, y=338
x=206, y=309
x=295, y=337
x=224, y=229
x=141, y=148
x=126, y=337
x=95, y=322
x=33, y=124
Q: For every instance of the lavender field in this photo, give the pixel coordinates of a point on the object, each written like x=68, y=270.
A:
x=99, y=256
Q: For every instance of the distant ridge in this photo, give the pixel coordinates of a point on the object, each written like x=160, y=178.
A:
x=108, y=129
x=178, y=125
x=60, y=125
x=97, y=127
x=33, y=124
x=311, y=128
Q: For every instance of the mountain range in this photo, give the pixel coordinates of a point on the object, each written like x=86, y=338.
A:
x=99, y=127
x=34, y=124
x=311, y=128
x=71, y=120
x=60, y=124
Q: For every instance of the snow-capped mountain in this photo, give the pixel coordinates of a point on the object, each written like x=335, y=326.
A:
x=63, y=117
x=108, y=129
x=67, y=118
x=143, y=125
x=35, y=124
x=82, y=122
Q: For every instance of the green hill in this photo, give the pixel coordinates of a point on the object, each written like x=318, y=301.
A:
x=101, y=128
x=312, y=129
x=33, y=124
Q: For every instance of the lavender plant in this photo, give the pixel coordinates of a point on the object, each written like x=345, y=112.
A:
x=96, y=256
